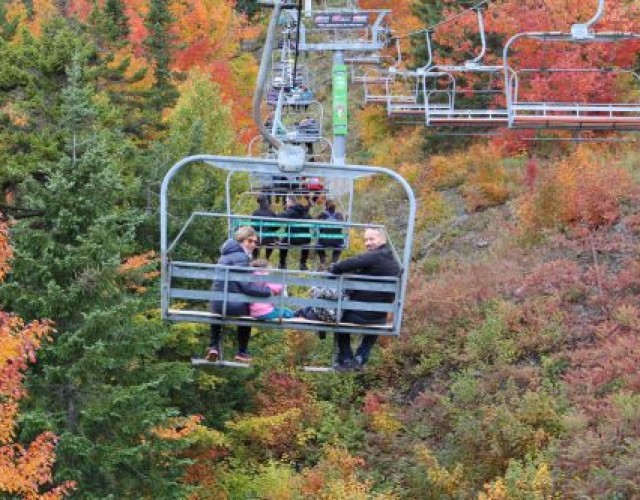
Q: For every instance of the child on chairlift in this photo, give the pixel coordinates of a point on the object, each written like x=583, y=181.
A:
x=262, y=310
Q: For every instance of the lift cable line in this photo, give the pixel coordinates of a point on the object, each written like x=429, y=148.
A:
x=444, y=21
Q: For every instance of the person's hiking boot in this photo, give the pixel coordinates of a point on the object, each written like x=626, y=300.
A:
x=243, y=357
x=212, y=354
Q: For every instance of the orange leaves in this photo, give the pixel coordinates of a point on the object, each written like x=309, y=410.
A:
x=5, y=250
x=586, y=188
x=209, y=33
x=178, y=428
x=24, y=470
x=18, y=344
x=137, y=270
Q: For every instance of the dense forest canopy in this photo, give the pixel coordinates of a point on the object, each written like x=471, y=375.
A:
x=515, y=375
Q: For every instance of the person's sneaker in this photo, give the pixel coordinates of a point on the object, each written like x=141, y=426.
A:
x=344, y=366
x=243, y=357
x=359, y=362
x=213, y=354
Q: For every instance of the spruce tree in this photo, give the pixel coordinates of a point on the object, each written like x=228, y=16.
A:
x=159, y=49
x=100, y=385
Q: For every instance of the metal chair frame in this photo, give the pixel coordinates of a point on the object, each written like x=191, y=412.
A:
x=187, y=283
x=361, y=36
x=563, y=115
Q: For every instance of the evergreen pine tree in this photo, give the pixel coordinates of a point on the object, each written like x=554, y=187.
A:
x=117, y=22
x=159, y=48
x=100, y=387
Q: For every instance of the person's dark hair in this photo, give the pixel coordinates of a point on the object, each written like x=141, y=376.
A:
x=330, y=206
x=263, y=201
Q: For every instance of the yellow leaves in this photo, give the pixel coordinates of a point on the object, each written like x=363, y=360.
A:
x=267, y=430
x=335, y=477
x=520, y=482
x=136, y=64
x=373, y=125
x=449, y=483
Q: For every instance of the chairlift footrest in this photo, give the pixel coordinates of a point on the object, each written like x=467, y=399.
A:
x=203, y=363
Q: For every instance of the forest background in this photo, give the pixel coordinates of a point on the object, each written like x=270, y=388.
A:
x=516, y=372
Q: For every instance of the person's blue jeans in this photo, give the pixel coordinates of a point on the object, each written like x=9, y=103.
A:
x=345, y=353
x=278, y=313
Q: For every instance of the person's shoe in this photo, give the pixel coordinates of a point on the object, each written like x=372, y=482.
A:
x=345, y=366
x=322, y=335
x=358, y=363
x=303, y=267
x=243, y=357
x=213, y=354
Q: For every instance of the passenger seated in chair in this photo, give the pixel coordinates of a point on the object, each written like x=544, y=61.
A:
x=378, y=260
x=330, y=237
x=295, y=210
x=235, y=252
x=263, y=310
x=264, y=210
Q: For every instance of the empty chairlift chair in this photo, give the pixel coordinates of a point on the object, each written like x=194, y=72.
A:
x=563, y=98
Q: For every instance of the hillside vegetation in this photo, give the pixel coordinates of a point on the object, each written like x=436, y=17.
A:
x=516, y=373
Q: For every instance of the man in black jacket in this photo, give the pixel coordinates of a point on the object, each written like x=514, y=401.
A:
x=236, y=252
x=378, y=260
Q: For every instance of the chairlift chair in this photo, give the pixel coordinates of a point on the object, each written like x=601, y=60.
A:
x=350, y=30
x=186, y=285
x=592, y=114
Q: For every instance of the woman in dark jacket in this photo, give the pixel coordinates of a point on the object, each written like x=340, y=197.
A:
x=264, y=211
x=236, y=252
x=295, y=210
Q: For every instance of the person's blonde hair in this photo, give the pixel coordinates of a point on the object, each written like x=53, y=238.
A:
x=244, y=233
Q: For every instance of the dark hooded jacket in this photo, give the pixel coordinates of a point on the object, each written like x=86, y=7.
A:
x=232, y=254
x=378, y=262
x=266, y=213
x=297, y=211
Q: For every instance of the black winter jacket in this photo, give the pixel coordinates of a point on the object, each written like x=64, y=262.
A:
x=297, y=212
x=232, y=254
x=266, y=213
x=378, y=262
